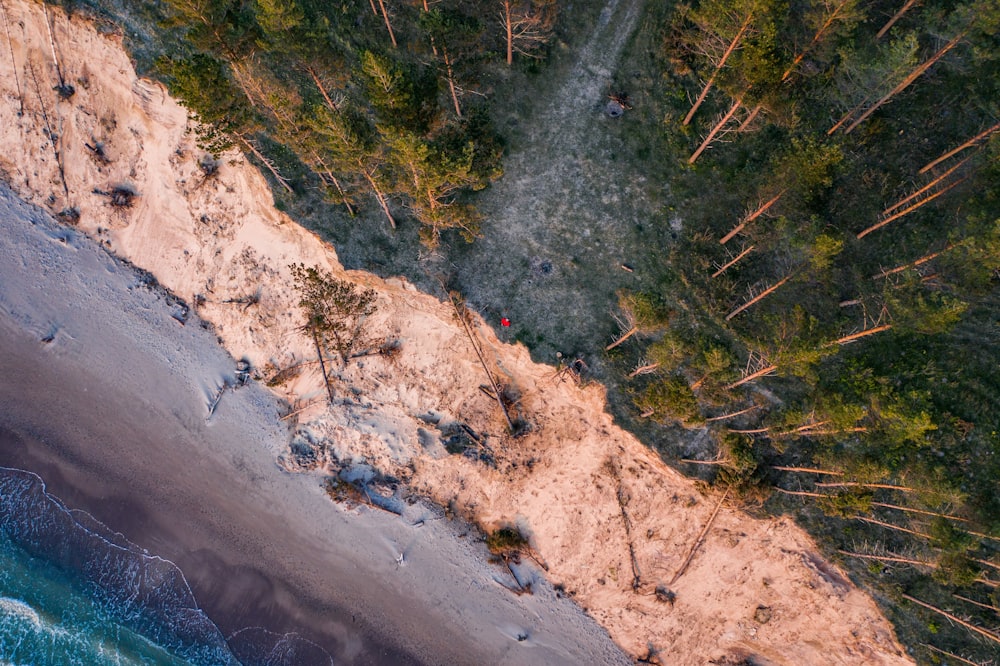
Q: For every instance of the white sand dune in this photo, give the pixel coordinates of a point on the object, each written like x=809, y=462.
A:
x=213, y=240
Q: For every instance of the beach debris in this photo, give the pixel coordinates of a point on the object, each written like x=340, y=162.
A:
x=217, y=398
x=243, y=369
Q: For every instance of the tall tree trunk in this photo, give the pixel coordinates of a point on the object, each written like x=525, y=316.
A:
x=967, y=600
x=322, y=91
x=807, y=470
x=388, y=25
x=750, y=218
x=53, y=136
x=957, y=620
x=52, y=45
x=622, y=338
x=858, y=484
x=770, y=290
x=240, y=79
x=910, y=209
x=509, y=29
x=913, y=264
x=451, y=81
x=701, y=538
x=861, y=334
x=463, y=316
x=322, y=365
x=718, y=68
x=434, y=48
x=816, y=39
x=732, y=415
x=895, y=17
x=267, y=163
x=971, y=142
x=907, y=509
x=913, y=76
x=715, y=130
x=923, y=189
x=336, y=183
x=961, y=660
x=732, y=262
x=847, y=116
x=749, y=119
x=336, y=109
x=378, y=195
x=749, y=378
x=890, y=558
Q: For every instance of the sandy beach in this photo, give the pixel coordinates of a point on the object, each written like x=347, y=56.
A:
x=113, y=414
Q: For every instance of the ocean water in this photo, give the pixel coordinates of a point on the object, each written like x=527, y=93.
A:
x=74, y=592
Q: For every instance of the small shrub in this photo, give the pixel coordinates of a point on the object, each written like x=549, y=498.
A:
x=848, y=503
x=665, y=595
x=670, y=398
x=506, y=542
x=65, y=90
x=209, y=165
x=69, y=215
x=343, y=492
x=97, y=152
x=122, y=196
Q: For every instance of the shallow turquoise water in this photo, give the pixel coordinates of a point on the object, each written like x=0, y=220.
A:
x=46, y=619
x=70, y=594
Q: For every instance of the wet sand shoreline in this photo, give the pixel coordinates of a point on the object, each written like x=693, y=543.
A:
x=226, y=569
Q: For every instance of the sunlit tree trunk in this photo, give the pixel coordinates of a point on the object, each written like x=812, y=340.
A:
x=759, y=297
x=861, y=334
x=971, y=142
x=715, y=130
x=732, y=262
x=750, y=218
x=895, y=17
x=718, y=68
x=913, y=76
x=767, y=370
x=913, y=264
x=909, y=209
x=13, y=60
x=451, y=81
x=388, y=25
x=817, y=38
x=925, y=188
x=509, y=29
x=378, y=195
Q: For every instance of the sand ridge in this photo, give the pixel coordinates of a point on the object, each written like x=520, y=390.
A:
x=215, y=240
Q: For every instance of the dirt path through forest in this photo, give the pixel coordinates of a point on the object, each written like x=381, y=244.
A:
x=567, y=214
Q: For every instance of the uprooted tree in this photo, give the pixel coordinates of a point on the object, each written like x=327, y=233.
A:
x=335, y=313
